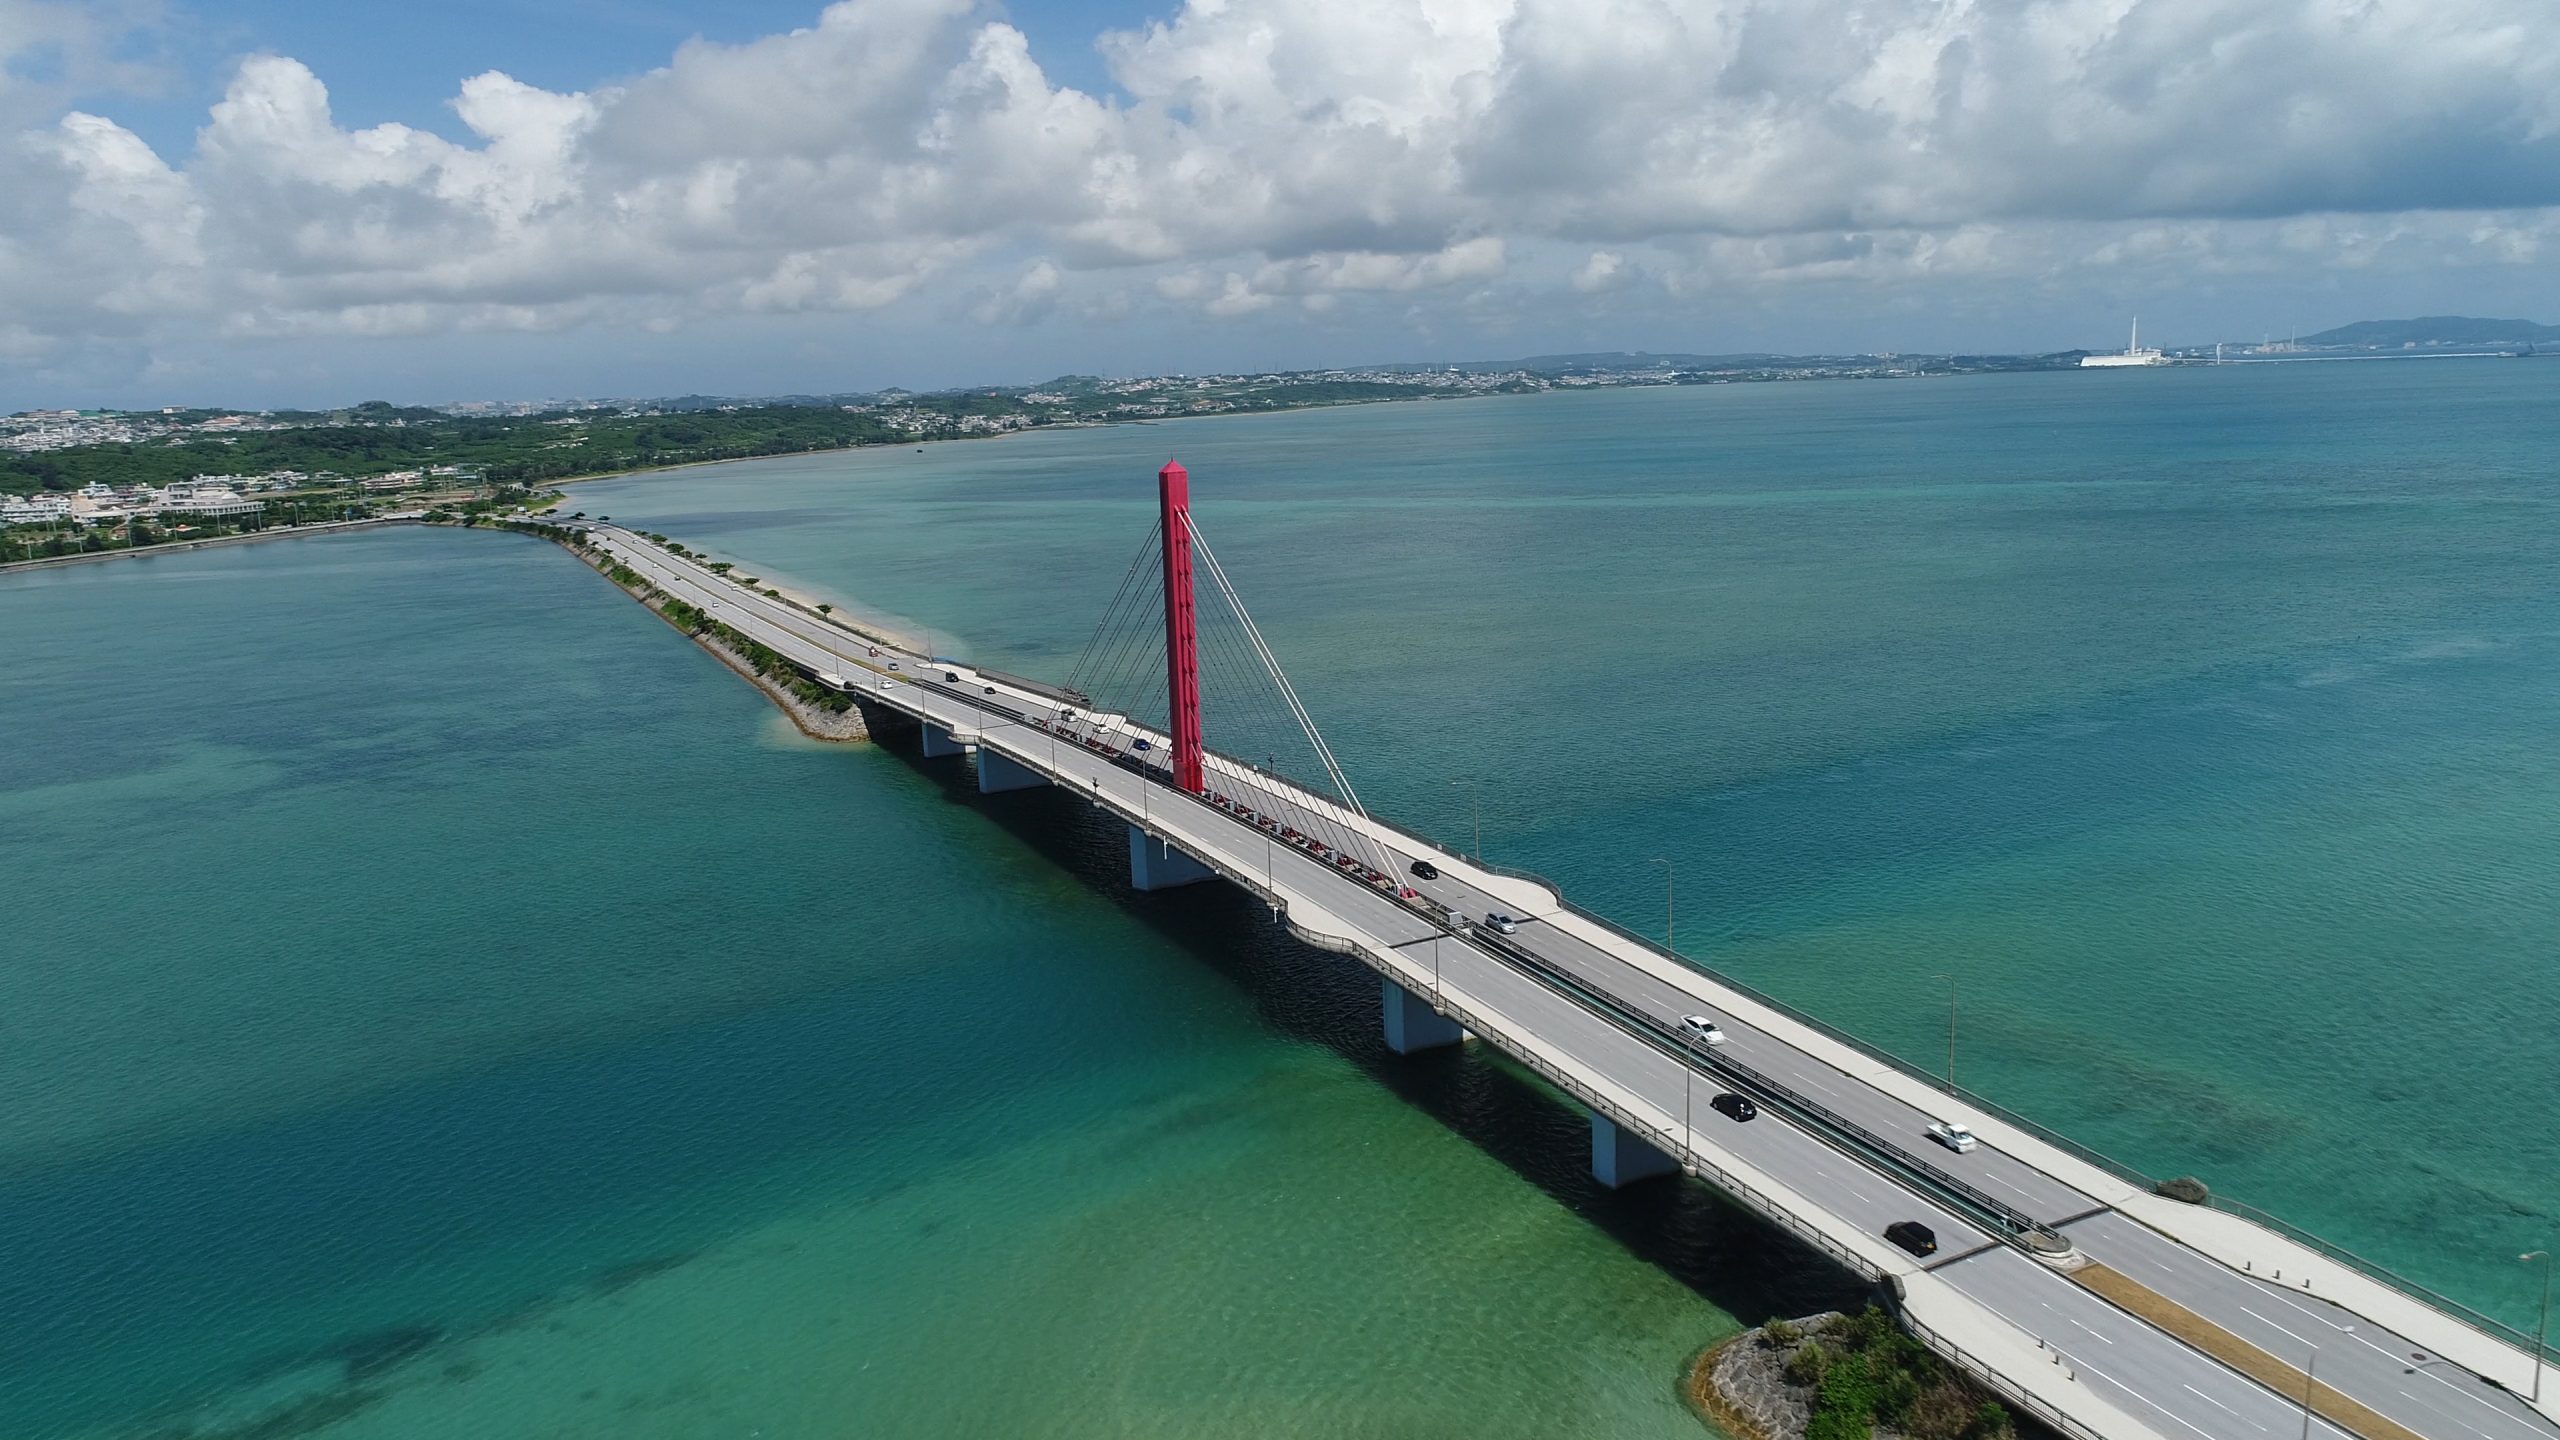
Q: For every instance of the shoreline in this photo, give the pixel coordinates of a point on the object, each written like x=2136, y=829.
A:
x=176, y=547
x=1146, y=420
x=1702, y=1392
x=845, y=727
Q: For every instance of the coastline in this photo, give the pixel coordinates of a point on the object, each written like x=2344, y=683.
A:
x=174, y=547
x=834, y=727
x=924, y=440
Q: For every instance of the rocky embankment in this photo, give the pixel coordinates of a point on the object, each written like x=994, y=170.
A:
x=1838, y=1377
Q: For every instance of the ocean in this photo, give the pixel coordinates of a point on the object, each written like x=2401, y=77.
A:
x=441, y=1001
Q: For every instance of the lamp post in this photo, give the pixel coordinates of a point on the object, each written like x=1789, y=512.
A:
x=1475, y=811
x=1670, y=914
x=2542, y=1331
x=1951, y=1032
x=1688, y=1088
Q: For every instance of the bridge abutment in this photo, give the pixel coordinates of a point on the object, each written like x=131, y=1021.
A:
x=1621, y=1157
x=999, y=773
x=1155, y=865
x=1410, y=1022
x=939, y=741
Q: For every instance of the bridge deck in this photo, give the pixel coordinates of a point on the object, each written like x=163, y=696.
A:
x=1597, y=1013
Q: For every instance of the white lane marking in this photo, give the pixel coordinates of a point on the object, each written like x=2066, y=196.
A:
x=2074, y=1322
x=2218, y=1405
x=2122, y=1388
x=1843, y=1184
x=2021, y=1193
x=2389, y=1354
x=2245, y=1310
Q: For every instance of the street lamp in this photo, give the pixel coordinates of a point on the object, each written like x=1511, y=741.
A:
x=1688, y=1088
x=2311, y=1382
x=1670, y=915
x=1475, y=811
x=2541, y=1332
x=1951, y=1032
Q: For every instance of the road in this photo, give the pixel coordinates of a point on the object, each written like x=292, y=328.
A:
x=1600, y=1014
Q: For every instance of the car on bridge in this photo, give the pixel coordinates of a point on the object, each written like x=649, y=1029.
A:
x=1734, y=1107
x=1952, y=1134
x=1703, y=1029
x=1502, y=922
x=1424, y=870
x=1913, y=1236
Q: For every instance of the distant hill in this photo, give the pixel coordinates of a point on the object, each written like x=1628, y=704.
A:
x=2435, y=330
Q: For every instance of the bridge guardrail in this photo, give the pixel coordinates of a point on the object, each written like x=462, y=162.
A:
x=1994, y=1378
x=1846, y=1133
x=1664, y=1139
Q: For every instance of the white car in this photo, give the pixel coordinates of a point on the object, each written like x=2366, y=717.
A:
x=1703, y=1028
x=1504, y=923
x=1952, y=1134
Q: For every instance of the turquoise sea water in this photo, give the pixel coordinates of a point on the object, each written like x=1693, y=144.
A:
x=440, y=1001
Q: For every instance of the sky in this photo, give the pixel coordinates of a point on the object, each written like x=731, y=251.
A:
x=280, y=202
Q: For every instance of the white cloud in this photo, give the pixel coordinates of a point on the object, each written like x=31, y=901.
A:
x=1325, y=153
x=1032, y=296
x=1605, y=270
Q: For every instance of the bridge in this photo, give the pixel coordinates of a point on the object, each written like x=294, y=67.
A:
x=2060, y=1281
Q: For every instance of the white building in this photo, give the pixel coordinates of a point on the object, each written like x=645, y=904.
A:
x=207, y=501
x=41, y=508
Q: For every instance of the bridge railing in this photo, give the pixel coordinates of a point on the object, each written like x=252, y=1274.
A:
x=1996, y=1379
x=1664, y=1138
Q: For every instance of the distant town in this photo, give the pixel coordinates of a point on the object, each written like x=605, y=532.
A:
x=189, y=470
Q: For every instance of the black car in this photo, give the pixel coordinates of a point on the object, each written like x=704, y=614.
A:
x=1913, y=1236
x=951, y=675
x=1736, y=1107
x=1425, y=870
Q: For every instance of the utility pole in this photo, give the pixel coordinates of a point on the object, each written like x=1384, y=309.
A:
x=1475, y=811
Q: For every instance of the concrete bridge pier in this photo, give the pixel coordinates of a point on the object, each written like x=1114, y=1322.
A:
x=1620, y=1157
x=1411, y=1023
x=999, y=773
x=939, y=741
x=1155, y=865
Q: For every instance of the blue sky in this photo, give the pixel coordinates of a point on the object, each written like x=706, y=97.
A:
x=259, y=202
x=401, y=62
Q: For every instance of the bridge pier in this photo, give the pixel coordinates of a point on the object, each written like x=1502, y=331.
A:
x=1155, y=865
x=999, y=773
x=1620, y=1157
x=1411, y=1023
x=939, y=741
